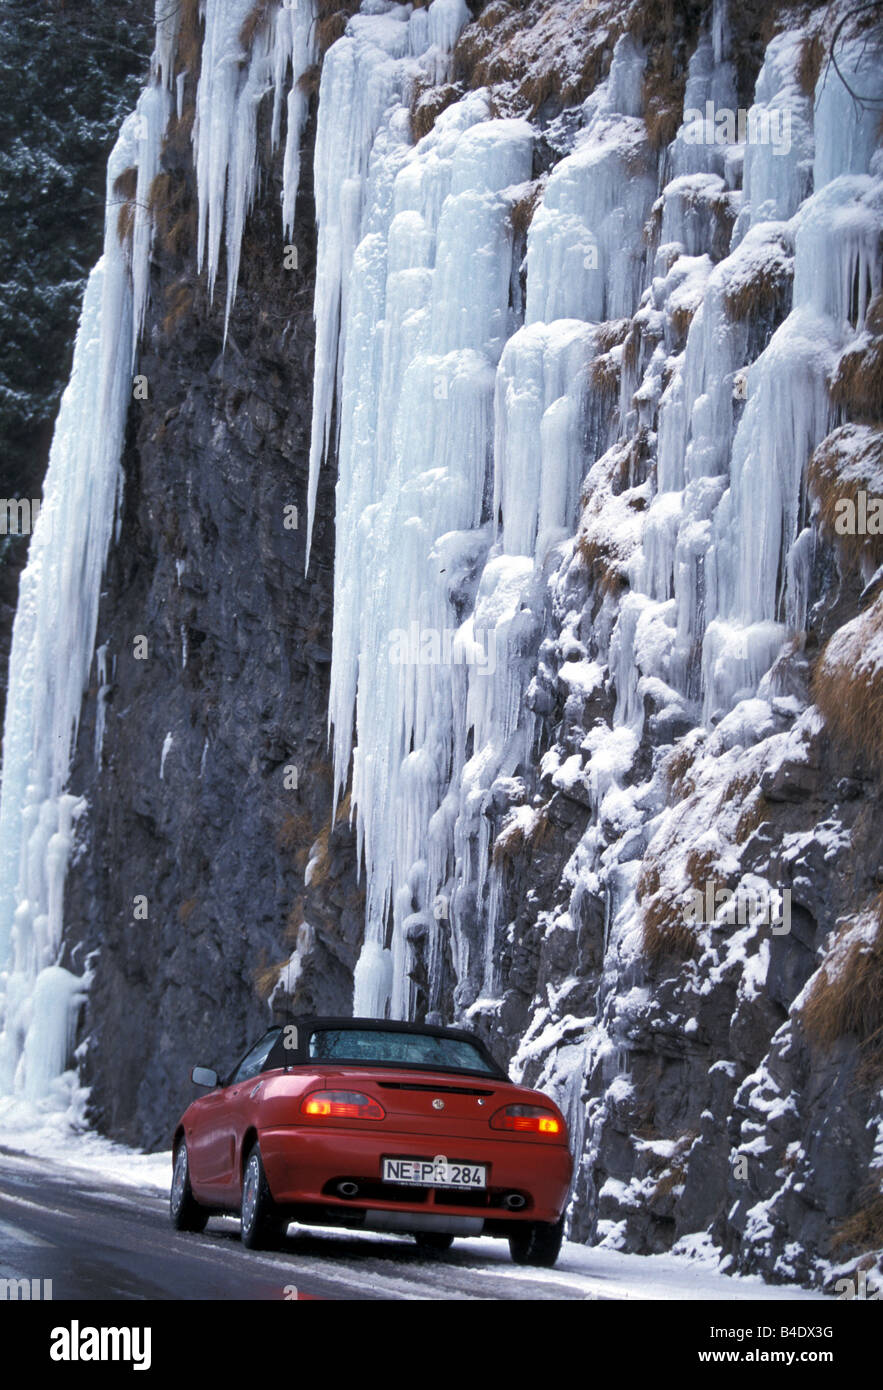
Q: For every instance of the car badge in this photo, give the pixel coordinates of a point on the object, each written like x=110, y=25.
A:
x=438, y=1104
x=481, y=1100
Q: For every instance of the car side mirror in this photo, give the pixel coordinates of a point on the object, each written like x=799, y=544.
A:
x=204, y=1076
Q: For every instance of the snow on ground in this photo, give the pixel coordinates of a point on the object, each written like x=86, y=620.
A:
x=693, y=1274
x=616, y=1275
x=30, y=1130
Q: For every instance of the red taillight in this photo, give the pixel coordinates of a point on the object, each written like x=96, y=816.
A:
x=341, y=1105
x=527, y=1119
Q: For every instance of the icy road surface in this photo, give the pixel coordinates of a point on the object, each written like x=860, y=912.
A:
x=100, y=1235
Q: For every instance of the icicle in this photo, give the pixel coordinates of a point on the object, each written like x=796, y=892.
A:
x=232, y=84
x=104, y=688
x=538, y=454
x=428, y=302
x=778, y=150
x=787, y=413
x=54, y=631
x=846, y=129
x=50, y=1037
x=295, y=43
x=213, y=128
x=364, y=75
x=584, y=251
x=372, y=982
x=167, y=19
x=166, y=750
x=151, y=119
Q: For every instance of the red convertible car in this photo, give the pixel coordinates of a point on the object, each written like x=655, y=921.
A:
x=375, y=1125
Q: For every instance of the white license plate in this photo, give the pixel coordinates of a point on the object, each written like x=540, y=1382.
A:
x=426, y=1172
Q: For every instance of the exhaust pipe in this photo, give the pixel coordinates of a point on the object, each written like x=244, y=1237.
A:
x=514, y=1201
x=348, y=1189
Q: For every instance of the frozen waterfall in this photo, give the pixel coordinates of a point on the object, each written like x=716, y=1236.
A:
x=52, y=645
x=465, y=435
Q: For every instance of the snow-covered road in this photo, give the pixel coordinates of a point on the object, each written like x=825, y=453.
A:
x=96, y=1224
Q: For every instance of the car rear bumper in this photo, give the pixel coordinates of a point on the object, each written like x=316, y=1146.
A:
x=304, y=1165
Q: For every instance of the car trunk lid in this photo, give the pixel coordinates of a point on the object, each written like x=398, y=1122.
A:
x=444, y=1097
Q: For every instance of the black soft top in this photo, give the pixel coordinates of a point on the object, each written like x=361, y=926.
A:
x=284, y=1054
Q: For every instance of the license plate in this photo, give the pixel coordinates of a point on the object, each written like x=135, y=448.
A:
x=427, y=1172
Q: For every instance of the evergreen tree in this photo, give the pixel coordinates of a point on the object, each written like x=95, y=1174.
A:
x=70, y=71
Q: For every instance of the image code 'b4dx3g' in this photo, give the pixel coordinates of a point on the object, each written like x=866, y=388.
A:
x=379, y=1126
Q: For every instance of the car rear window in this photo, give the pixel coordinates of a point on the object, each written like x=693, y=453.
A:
x=397, y=1049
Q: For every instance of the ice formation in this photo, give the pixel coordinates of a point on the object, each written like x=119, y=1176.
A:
x=468, y=426
x=363, y=134
x=55, y=624
x=52, y=645
x=233, y=81
x=425, y=314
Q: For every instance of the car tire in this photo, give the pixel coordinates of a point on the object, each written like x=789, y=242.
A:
x=433, y=1243
x=537, y=1243
x=263, y=1225
x=184, y=1210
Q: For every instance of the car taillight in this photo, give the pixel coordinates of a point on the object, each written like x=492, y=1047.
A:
x=527, y=1119
x=341, y=1105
